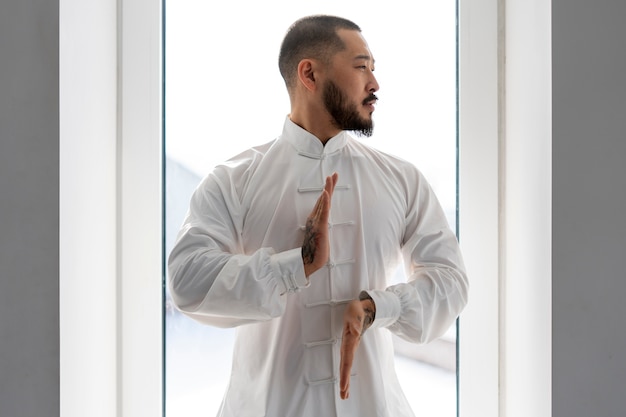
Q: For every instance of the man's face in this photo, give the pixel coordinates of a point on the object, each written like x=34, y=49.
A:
x=348, y=93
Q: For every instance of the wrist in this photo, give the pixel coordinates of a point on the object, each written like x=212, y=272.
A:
x=369, y=308
x=365, y=297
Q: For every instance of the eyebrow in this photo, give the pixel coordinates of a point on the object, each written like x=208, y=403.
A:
x=365, y=57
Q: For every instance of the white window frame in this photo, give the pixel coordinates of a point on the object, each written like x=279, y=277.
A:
x=111, y=213
x=505, y=211
x=111, y=207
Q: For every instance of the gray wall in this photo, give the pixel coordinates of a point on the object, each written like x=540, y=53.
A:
x=589, y=201
x=589, y=208
x=29, y=208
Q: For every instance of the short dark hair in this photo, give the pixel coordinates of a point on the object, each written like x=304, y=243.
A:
x=311, y=37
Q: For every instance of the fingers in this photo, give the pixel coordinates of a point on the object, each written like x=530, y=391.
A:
x=331, y=181
x=323, y=213
x=349, y=344
x=322, y=205
x=353, y=326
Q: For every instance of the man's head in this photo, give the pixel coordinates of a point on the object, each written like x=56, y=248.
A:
x=311, y=37
x=327, y=67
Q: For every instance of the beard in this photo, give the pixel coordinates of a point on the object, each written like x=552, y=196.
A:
x=345, y=114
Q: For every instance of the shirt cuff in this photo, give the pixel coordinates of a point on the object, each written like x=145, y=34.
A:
x=289, y=270
x=387, y=307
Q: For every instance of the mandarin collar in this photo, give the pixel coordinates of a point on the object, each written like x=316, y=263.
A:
x=308, y=144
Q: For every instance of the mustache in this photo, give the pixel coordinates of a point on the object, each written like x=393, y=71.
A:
x=371, y=97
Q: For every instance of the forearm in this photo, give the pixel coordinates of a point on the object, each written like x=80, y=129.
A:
x=423, y=308
x=228, y=290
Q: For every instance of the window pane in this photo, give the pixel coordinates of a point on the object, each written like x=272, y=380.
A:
x=224, y=94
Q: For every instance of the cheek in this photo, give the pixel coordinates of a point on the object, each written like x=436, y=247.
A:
x=354, y=87
x=349, y=83
x=354, y=93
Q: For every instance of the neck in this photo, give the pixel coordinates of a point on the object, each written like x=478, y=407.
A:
x=320, y=127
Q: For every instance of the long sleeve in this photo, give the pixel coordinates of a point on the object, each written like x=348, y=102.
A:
x=237, y=260
x=211, y=278
x=424, y=307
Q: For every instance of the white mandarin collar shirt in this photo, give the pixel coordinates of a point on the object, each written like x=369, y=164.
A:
x=308, y=145
x=237, y=262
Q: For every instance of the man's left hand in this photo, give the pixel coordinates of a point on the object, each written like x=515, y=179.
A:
x=358, y=316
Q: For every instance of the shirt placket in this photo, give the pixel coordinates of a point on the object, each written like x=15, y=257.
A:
x=323, y=305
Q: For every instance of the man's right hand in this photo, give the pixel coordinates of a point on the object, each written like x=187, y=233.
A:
x=316, y=245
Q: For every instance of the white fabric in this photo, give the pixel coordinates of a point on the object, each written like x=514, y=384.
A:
x=237, y=262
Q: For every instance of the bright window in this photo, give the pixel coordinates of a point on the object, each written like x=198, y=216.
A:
x=222, y=80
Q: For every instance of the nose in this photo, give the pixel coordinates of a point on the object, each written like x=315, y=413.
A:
x=372, y=86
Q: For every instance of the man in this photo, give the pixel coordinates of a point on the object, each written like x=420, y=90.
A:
x=308, y=284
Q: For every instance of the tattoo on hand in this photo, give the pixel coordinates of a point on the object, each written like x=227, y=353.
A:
x=308, y=247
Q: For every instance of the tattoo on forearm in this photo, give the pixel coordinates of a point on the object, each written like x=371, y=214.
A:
x=308, y=246
x=369, y=308
x=370, y=315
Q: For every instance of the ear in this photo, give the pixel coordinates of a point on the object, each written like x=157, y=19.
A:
x=307, y=69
